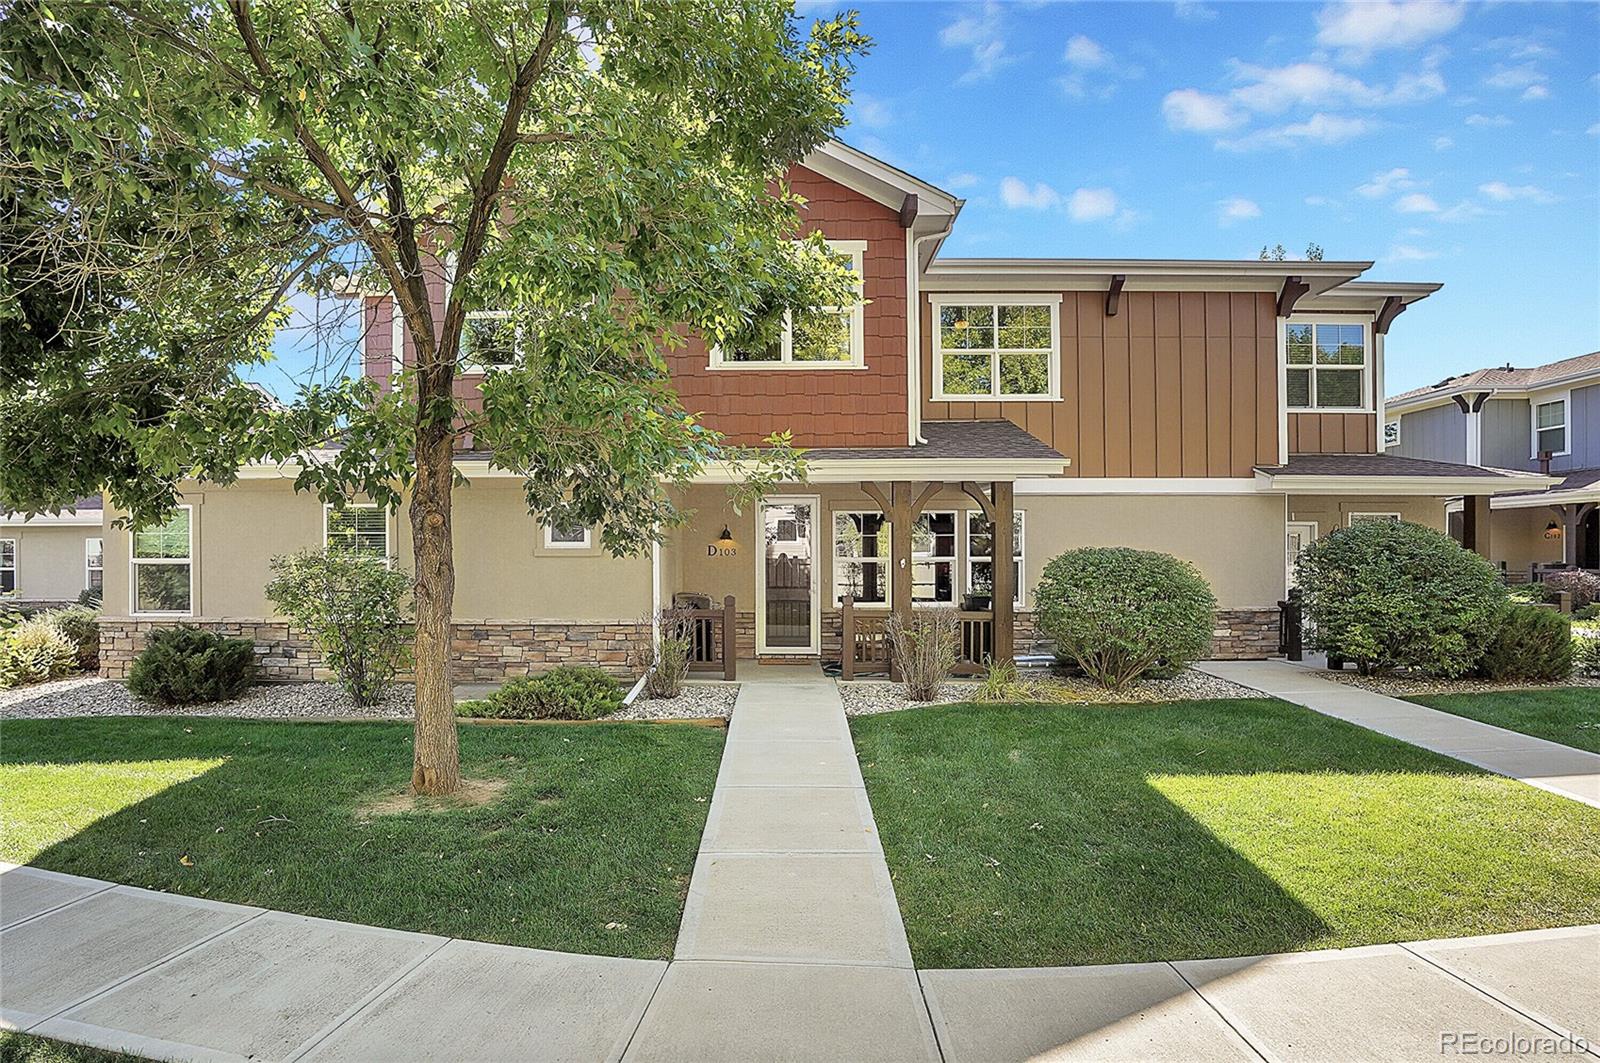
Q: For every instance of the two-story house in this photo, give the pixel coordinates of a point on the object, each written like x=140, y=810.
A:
x=1545, y=419
x=965, y=421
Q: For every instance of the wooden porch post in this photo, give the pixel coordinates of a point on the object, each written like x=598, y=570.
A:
x=847, y=639
x=1005, y=589
x=1469, y=524
x=730, y=640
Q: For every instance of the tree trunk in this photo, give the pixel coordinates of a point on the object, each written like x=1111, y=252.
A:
x=436, y=767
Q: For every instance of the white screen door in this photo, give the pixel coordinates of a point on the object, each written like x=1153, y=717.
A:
x=787, y=619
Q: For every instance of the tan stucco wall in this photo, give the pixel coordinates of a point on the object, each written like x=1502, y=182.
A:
x=502, y=570
x=1333, y=511
x=49, y=559
x=1517, y=538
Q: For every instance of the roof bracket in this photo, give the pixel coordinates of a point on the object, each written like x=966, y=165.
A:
x=1392, y=307
x=908, y=210
x=1114, y=293
x=1293, y=289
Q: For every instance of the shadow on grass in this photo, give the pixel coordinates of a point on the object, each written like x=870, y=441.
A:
x=596, y=825
x=1046, y=835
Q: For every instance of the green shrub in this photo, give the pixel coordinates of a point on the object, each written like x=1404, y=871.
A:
x=187, y=665
x=81, y=627
x=34, y=650
x=1588, y=612
x=568, y=692
x=1532, y=643
x=1586, y=649
x=1119, y=613
x=1388, y=594
x=352, y=607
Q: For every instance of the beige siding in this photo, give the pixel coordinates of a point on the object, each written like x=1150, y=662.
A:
x=49, y=559
x=1516, y=537
x=1333, y=511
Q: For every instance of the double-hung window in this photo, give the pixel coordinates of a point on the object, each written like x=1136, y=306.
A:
x=997, y=348
x=94, y=565
x=829, y=337
x=357, y=528
x=8, y=566
x=861, y=557
x=980, y=554
x=1327, y=365
x=163, y=566
x=933, y=557
x=1550, y=427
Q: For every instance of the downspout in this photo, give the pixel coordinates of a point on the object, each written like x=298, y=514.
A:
x=914, y=329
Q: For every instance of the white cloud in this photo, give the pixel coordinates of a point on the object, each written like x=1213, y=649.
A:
x=1501, y=192
x=1594, y=130
x=1092, y=70
x=1275, y=89
x=1318, y=129
x=871, y=111
x=1443, y=143
x=1085, y=54
x=1361, y=27
x=1416, y=203
x=961, y=179
x=1487, y=120
x=1193, y=11
x=1320, y=201
x=1535, y=92
x=983, y=35
x=1237, y=208
x=1193, y=111
x=1091, y=204
x=1015, y=193
x=1515, y=77
x=1387, y=183
x=1466, y=210
x=1409, y=253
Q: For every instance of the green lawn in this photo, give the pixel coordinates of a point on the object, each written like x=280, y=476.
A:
x=1569, y=715
x=1025, y=835
x=22, y=1048
x=588, y=848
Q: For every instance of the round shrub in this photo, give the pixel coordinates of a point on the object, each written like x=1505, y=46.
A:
x=81, y=627
x=1120, y=613
x=567, y=692
x=1532, y=643
x=33, y=651
x=187, y=665
x=1394, y=594
x=1583, y=586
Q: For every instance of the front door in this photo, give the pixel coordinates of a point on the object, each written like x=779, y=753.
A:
x=1300, y=534
x=787, y=618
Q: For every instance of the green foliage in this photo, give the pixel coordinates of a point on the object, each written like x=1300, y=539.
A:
x=1588, y=612
x=33, y=651
x=352, y=606
x=1586, y=649
x=925, y=648
x=188, y=665
x=1583, y=586
x=1119, y=613
x=81, y=627
x=567, y=692
x=1532, y=642
x=1394, y=594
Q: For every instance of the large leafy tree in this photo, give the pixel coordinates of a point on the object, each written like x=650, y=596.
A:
x=605, y=173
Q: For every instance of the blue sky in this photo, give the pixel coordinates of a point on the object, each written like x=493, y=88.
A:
x=1449, y=142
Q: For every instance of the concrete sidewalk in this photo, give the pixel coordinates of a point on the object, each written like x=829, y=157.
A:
x=1548, y=765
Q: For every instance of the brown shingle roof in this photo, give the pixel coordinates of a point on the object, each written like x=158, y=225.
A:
x=1508, y=377
x=1576, y=480
x=1376, y=465
x=952, y=439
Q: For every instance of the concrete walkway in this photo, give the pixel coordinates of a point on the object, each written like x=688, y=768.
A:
x=1548, y=765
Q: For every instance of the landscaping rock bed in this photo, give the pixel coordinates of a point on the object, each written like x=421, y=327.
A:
x=93, y=696
x=698, y=701
x=1406, y=686
x=866, y=697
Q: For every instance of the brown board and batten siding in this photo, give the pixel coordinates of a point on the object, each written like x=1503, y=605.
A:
x=1174, y=384
x=1333, y=433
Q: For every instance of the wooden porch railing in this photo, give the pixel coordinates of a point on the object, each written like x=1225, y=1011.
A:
x=977, y=642
x=865, y=648
x=712, y=634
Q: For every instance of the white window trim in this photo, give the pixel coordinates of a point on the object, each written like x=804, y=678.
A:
x=857, y=250
x=388, y=544
x=1534, y=402
x=1387, y=443
x=1367, y=369
x=1019, y=519
x=550, y=543
x=397, y=337
x=133, y=574
x=13, y=567
x=835, y=559
x=954, y=559
x=101, y=567
x=1052, y=300
x=1370, y=514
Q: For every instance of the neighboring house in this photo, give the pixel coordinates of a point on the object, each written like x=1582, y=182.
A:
x=968, y=421
x=1544, y=419
x=52, y=559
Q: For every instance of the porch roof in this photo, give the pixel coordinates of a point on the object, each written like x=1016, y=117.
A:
x=1580, y=485
x=1391, y=474
x=955, y=450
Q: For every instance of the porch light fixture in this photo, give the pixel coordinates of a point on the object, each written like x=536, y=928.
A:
x=1552, y=530
x=725, y=540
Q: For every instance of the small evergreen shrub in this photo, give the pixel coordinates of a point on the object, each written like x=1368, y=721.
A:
x=187, y=665
x=89, y=599
x=925, y=648
x=1586, y=649
x=33, y=651
x=81, y=627
x=1532, y=643
x=568, y=692
x=1583, y=586
x=1119, y=613
x=352, y=607
x=1394, y=594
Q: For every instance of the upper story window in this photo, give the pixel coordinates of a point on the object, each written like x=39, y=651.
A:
x=488, y=340
x=1001, y=348
x=1327, y=365
x=830, y=337
x=358, y=528
x=1550, y=427
x=163, y=566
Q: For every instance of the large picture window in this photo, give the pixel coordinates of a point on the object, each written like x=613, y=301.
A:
x=357, y=528
x=830, y=337
x=1327, y=366
x=1550, y=427
x=861, y=557
x=163, y=566
x=94, y=565
x=8, y=566
x=980, y=555
x=933, y=558
x=997, y=349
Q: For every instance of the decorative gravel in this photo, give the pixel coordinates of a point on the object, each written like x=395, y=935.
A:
x=697, y=701
x=866, y=697
x=93, y=696
x=1406, y=686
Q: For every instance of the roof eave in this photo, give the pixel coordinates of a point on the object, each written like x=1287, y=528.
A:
x=1442, y=486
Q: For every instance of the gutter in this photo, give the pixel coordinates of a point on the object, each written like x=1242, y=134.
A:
x=914, y=329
